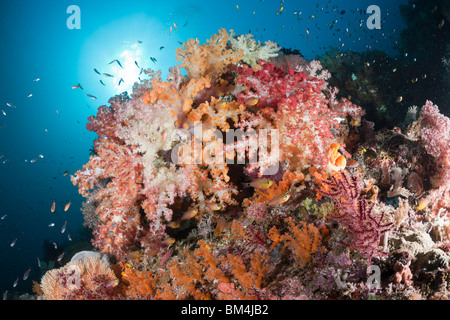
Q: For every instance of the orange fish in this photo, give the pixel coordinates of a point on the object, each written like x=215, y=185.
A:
x=67, y=206
x=219, y=227
x=173, y=224
x=169, y=241
x=259, y=183
x=251, y=102
x=189, y=214
x=52, y=209
x=279, y=199
x=214, y=206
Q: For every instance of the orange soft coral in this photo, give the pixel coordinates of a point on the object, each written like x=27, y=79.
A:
x=302, y=240
x=210, y=58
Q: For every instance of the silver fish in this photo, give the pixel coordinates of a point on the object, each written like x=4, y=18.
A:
x=14, y=242
x=60, y=257
x=90, y=96
x=16, y=282
x=4, y=216
x=26, y=274
x=64, y=227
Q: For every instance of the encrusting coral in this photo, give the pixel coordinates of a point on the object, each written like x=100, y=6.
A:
x=187, y=214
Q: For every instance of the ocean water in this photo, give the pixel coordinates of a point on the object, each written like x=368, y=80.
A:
x=43, y=135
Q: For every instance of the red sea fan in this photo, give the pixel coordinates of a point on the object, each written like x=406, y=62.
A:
x=356, y=214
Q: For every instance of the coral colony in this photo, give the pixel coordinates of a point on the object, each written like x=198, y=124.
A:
x=245, y=177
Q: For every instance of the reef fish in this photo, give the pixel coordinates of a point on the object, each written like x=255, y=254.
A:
x=67, y=206
x=259, y=184
x=63, y=229
x=52, y=209
x=279, y=199
x=90, y=96
x=118, y=62
x=189, y=214
x=13, y=243
x=77, y=86
x=26, y=274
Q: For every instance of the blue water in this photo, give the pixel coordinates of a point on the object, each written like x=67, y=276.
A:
x=45, y=135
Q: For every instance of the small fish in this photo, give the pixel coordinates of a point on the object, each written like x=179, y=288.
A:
x=37, y=79
x=90, y=96
x=189, y=214
x=120, y=81
x=68, y=237
x=51, y=225
x=136, y=63
x=139, y=41
x=13, y=243
x=173, y=224
x=10, y=105
x=169, y=241
x=107, y=75
x=441, y=24
x=237, y=7
x=259, y=184
x=370, y=153
x=30, y=95
x=181, y=43
x=251, y=102
x=55, y=245
x=4, y=113
x=170, y=30
x=214, y=206
x=394, y=70
x=15, y=283
x=281, y=9
x=39, y=262
x=219, y=227
x=399, y=99
x=102, y=82
x=3, y=216
x=63, y=229
x=52, y=209
x=77, y=86
x=112, y=283
x=67, y=206
x=185, y=24
x=60, y=257
x=26, y=274
x=352, y=163
x=57, y=112
x=66, y=172
x=96, y=71
x=5, y=295
x=153, y=59
x=175, y=25
x=118, y=62
x=160, y=48
x=279, y=199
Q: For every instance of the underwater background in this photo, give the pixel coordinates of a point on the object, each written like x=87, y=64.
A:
x=44, y=139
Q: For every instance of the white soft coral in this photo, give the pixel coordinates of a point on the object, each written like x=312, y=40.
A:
x=253, y=50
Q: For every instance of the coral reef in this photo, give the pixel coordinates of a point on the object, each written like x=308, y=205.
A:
x=190, y=200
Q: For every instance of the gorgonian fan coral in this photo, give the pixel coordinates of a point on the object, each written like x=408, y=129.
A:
x=234, y=181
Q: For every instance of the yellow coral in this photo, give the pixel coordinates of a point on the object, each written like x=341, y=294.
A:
x=210, y=58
